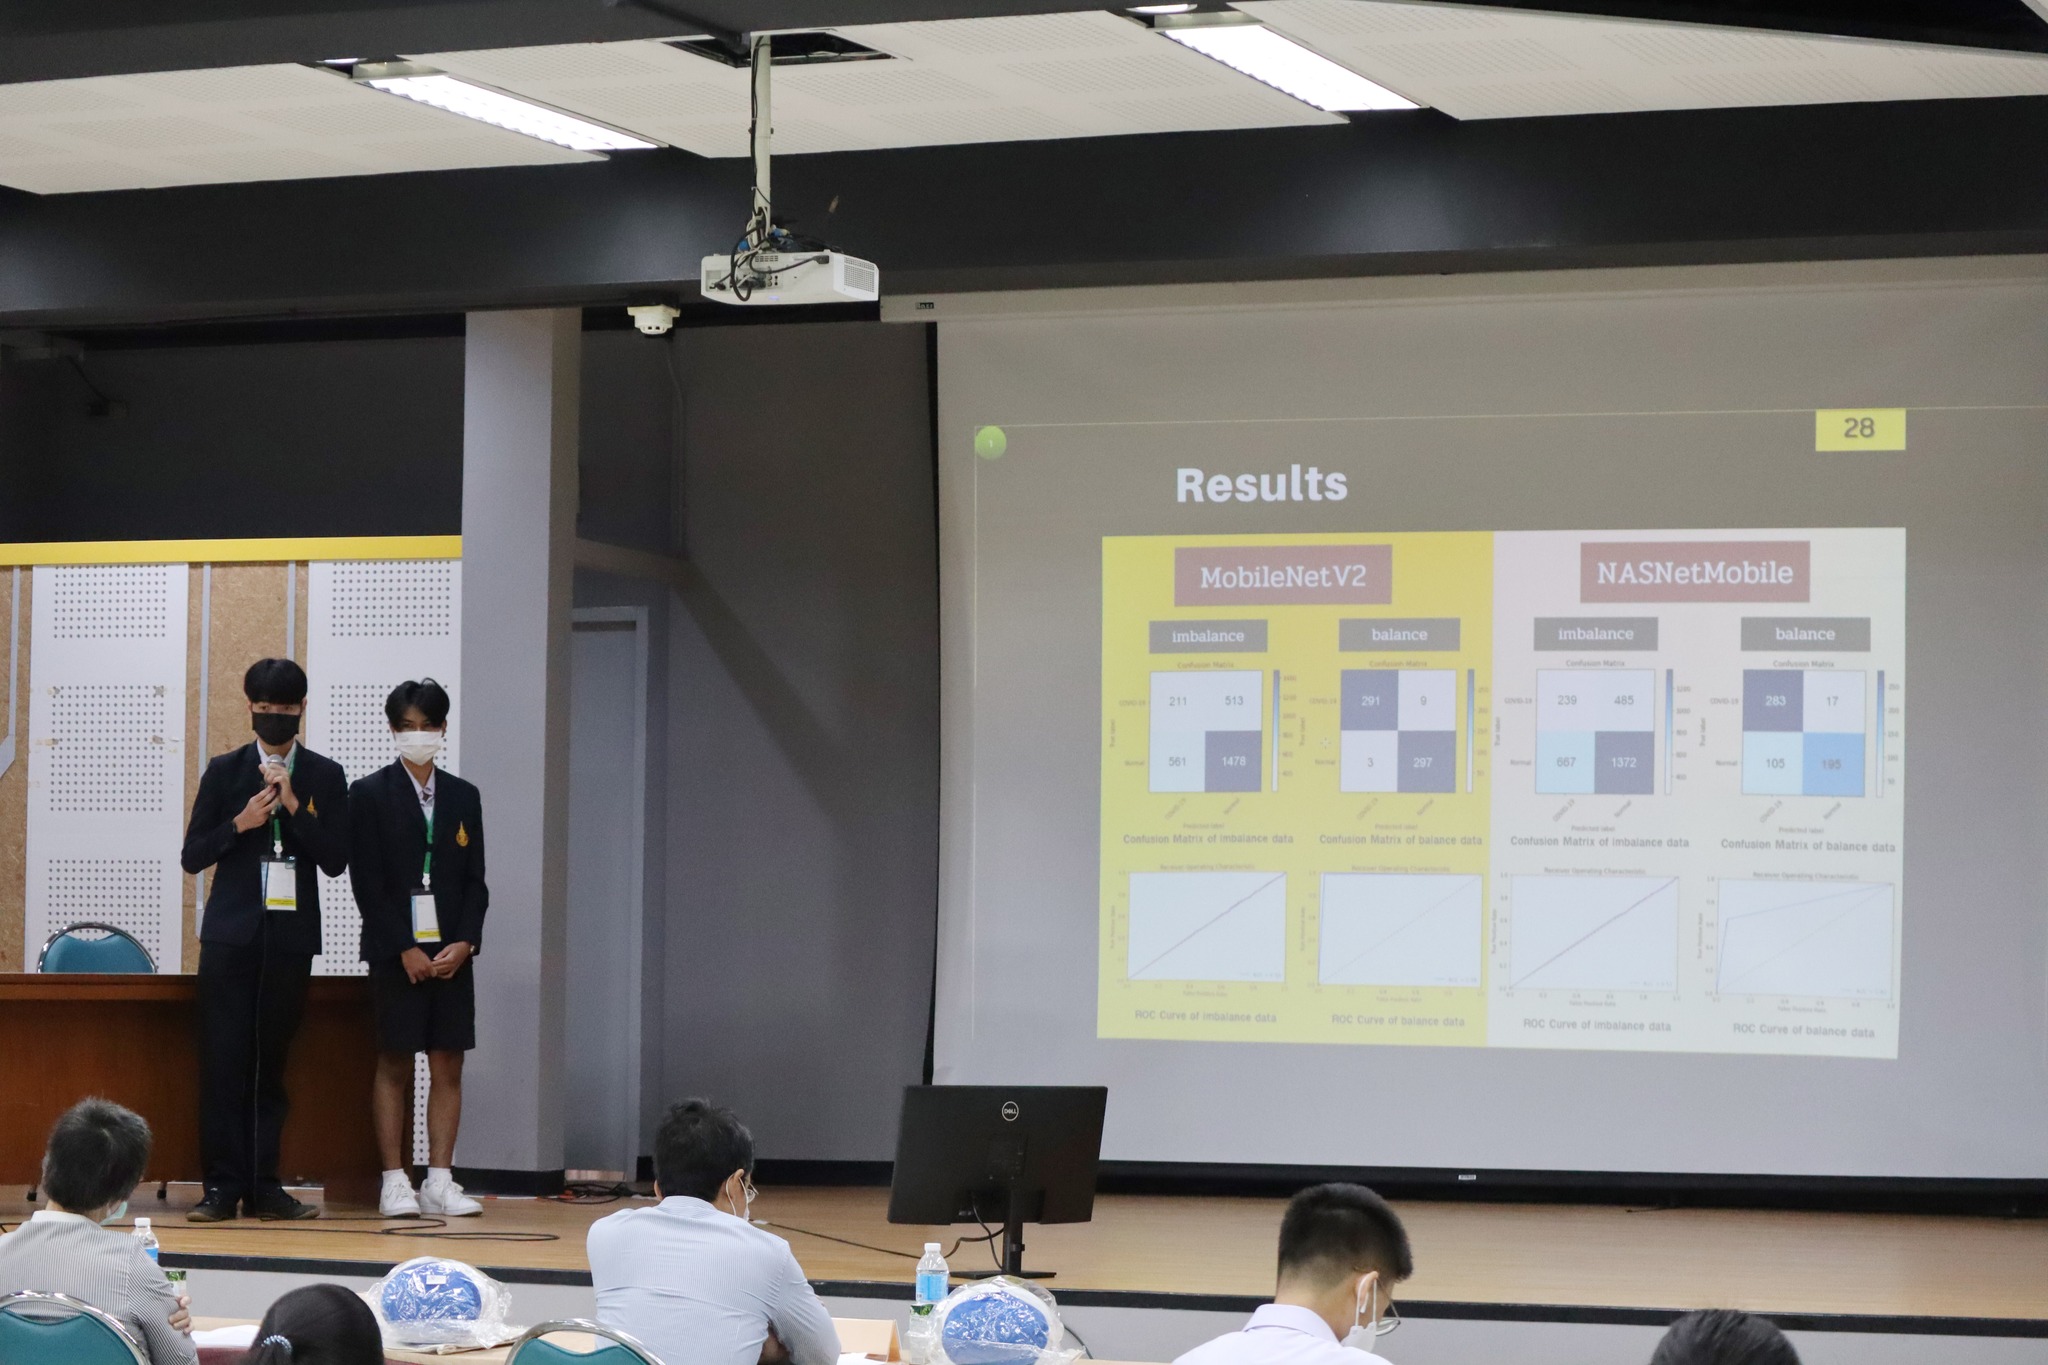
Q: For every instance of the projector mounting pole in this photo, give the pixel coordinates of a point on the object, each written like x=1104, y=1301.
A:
x=758, y=134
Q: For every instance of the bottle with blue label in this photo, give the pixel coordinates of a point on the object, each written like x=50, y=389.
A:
x=921, y=1338
x=150, y=1246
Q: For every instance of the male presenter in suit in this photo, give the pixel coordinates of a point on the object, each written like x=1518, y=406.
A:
x=418, y=868
x=270, y=816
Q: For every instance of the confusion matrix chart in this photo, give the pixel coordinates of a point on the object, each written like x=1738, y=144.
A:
x=1400, y=730
x=1206, y=731
x=1804, y=732
x=1560, y=789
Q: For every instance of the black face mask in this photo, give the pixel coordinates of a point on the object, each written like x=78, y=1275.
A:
x=274, y=727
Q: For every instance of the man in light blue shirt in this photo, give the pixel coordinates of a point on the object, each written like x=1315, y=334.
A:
x=691, y=1278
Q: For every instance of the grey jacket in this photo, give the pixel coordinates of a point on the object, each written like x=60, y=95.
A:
x=62, y=1253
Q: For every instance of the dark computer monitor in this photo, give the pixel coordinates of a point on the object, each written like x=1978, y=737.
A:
x=1009, y=1154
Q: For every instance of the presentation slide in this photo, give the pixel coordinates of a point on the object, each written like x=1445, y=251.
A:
x=1638, y=789
x=1463, y=724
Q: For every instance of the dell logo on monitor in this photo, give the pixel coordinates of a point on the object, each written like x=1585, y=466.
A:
x=1010, y=1111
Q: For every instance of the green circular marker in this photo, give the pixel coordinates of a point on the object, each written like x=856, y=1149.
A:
x=990, y=443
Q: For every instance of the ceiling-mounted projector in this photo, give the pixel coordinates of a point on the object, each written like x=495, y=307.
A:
x=785, y=277
x=771, y=265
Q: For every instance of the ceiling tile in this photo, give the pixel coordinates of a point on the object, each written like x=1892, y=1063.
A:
x=146, y=134
x=1020, y=35
x=878, y=83
x=234, y=123
x=1476, y=60
x=1095, y=75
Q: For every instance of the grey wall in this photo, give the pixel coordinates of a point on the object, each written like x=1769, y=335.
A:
x=803, y=732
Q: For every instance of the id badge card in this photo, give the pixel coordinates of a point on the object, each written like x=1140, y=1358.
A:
x=280, y=884
x=426, y=921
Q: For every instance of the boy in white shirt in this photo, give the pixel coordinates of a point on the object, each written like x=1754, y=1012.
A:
x=1342, y=1251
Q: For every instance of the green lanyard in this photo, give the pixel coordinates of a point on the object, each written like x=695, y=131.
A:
x=277, y=822
x=427, y=872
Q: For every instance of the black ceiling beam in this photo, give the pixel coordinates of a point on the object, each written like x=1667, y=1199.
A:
x=51, y=39
x=2007, y=24
x=1406, y=192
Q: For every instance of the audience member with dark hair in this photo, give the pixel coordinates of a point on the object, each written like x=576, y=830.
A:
x=1723, y=1336
x=321, y=1324
x=96, y=1155
x=1342, y=1251
x=692, y=1278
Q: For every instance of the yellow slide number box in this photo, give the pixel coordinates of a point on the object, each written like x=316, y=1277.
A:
x=1859, y=429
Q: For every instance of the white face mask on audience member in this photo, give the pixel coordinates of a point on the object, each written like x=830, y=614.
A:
x=1369, y=1329
x=738, y=1196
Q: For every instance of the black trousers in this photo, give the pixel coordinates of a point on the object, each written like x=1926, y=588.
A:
x=250, y=1001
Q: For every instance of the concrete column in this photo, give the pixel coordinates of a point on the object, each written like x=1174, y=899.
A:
x=520, y=402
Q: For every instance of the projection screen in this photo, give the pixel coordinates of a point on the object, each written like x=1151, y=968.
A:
x=1578, y=722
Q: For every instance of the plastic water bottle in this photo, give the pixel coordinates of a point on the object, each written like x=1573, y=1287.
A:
x=920, y=1341
x=144, y=1235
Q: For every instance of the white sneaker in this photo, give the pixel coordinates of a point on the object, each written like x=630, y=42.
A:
x=396, y=1199
x=440, y=1194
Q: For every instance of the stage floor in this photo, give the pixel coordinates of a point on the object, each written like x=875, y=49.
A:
x=1487, y=1260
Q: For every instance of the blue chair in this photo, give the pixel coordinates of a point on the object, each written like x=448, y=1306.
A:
x=56, y=1329
x=91, y=947
x=618, y=1348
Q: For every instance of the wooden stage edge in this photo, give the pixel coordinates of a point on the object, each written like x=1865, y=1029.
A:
x=1535, y=1263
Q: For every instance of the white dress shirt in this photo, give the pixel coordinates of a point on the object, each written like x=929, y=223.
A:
x=1280, y=1334
x=425, y=790
x=698, y=1286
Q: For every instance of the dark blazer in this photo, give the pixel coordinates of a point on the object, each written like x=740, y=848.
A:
x=388, y=848
x=317, y=837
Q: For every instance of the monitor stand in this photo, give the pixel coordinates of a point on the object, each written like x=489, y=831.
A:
x=1013, y=1247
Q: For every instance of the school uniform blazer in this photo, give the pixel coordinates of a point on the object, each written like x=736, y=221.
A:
x=388, y=849
x=317, y=837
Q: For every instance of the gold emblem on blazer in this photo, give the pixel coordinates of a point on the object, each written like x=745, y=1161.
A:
x=462, y=835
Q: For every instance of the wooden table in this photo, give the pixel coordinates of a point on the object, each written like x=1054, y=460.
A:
x=135, y=1040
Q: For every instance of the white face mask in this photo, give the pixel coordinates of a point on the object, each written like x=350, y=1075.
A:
x=1364, y=1333
x=745, y=1212
x=419, y=746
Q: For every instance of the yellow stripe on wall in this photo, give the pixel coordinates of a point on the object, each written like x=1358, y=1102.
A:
x=278, y=549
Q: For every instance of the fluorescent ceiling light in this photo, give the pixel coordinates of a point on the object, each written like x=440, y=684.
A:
x=501, y=110
x=1189, y=6
x=1286, y=65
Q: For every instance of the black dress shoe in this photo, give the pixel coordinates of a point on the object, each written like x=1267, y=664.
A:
x=277, y=1206
x=216, y=1207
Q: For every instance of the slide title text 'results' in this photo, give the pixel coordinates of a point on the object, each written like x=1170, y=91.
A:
x=1294, y=485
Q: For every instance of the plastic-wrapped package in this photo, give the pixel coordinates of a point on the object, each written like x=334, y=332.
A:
x=430, y=1301
x=1002, y=1321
